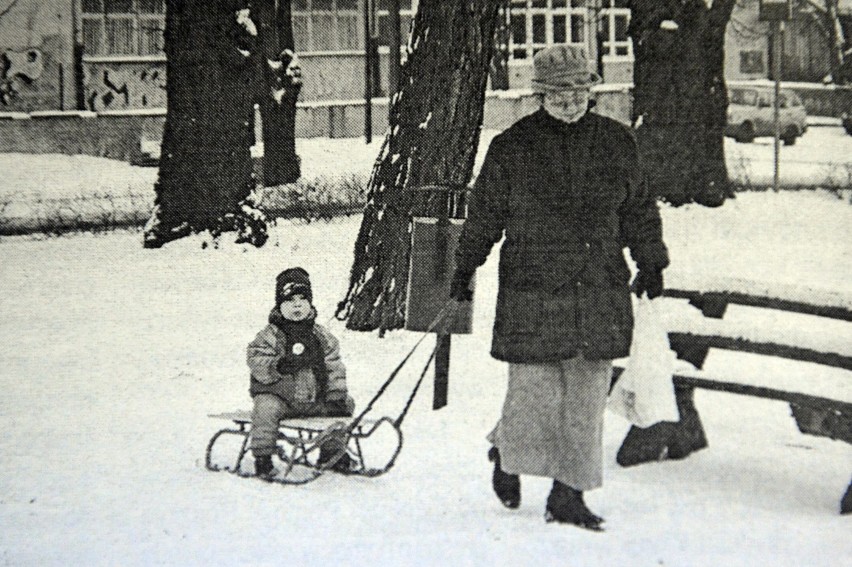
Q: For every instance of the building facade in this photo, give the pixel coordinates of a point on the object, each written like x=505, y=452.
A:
x=103, y=55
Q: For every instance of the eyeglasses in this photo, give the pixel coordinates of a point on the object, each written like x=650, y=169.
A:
x=568, y=95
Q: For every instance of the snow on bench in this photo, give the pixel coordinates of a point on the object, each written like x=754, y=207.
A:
x=693, y=335
x=799, y=298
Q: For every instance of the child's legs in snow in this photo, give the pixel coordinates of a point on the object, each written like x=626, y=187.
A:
x=268, y=411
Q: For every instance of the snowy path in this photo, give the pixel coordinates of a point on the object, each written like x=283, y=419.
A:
x=112, y=356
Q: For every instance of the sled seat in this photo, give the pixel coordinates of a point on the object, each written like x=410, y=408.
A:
x=299, y=440
x=821, y=405
x=242, y=418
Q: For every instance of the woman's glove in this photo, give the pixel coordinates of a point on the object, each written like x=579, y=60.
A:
x=650, y=281
x=460, y=286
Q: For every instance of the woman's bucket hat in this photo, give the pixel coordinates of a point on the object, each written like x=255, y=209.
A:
x=562, y=67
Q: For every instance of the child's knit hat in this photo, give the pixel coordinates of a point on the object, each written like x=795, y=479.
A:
x=290, y=282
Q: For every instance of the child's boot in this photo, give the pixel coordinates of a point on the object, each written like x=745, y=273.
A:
x=263, y=466
x=333, y=448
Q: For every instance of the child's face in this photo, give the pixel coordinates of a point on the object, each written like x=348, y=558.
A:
x=295, y=308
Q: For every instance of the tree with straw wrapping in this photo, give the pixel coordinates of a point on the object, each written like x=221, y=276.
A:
x=435, y=122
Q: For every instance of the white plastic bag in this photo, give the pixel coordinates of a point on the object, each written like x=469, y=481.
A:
x=644, y=394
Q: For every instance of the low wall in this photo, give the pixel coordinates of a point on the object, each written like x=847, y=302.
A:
x=131, y=134
x=116, y=136
x=824, y=101
x=819, y=100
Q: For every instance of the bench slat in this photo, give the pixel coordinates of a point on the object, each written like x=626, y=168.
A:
x=830, y=311
x=766, y=348
x=764, y=392
x=697, y=379
x=796, y=298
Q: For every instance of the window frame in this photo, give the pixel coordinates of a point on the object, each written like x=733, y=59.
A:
x=409, y=12
x=609, y=50
x=526, y=9
x=101, y=22
x=311, y=47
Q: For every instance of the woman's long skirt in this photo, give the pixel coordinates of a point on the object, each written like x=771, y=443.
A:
x=552, y=422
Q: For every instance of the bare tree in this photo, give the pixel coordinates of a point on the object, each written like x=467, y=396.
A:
x=205, y=176
x=680, y=97
x=825, y=15
x=279, y=78
x=825, y=18
x=432, y=138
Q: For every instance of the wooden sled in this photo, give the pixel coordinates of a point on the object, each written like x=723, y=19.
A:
x=299, y=441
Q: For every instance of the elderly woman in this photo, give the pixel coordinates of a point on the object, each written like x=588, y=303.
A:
x=563, y=187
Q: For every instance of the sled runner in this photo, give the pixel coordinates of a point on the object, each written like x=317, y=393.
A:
x=300, y=439
x=299, y=442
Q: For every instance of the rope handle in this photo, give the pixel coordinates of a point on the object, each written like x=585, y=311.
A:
x=449, y=307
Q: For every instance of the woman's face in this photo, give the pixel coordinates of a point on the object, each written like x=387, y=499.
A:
x=568, y=105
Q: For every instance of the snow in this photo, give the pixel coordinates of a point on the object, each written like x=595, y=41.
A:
x=690, y=320
x=112, y=357
x=820, y=158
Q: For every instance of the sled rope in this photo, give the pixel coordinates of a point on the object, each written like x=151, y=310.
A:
x=398, y=420
x=399, y=367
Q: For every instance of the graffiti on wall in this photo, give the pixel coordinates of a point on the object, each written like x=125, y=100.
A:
x=125, y=85
x=17, y=67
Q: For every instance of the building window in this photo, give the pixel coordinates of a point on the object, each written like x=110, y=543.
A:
x=615, y=16
x=407, y=9
x=123, y=27
x=327, y=25
x=751, y=62
x=536, y=24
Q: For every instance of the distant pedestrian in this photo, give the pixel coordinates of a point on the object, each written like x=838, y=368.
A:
x=563, y=187
x=296, y=371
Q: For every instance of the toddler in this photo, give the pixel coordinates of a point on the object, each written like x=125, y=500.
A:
x=296, y=371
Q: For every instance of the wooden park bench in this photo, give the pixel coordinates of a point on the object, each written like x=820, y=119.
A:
x=818, y=408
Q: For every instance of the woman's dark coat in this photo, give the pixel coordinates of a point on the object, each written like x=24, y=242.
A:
x=568, y=198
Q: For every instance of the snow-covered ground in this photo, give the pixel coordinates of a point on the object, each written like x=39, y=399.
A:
x=112, y=356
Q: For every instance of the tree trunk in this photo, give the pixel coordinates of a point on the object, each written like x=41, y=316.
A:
x=500, y=58
x=835, y=40
x=432, y=139
x=680, y=97
x=280, y=80
x=205, y=176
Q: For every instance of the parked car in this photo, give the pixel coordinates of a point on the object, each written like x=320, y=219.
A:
x=751, y=114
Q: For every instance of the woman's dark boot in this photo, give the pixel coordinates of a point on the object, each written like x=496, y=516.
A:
x=506, y=486
x=565, y=505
